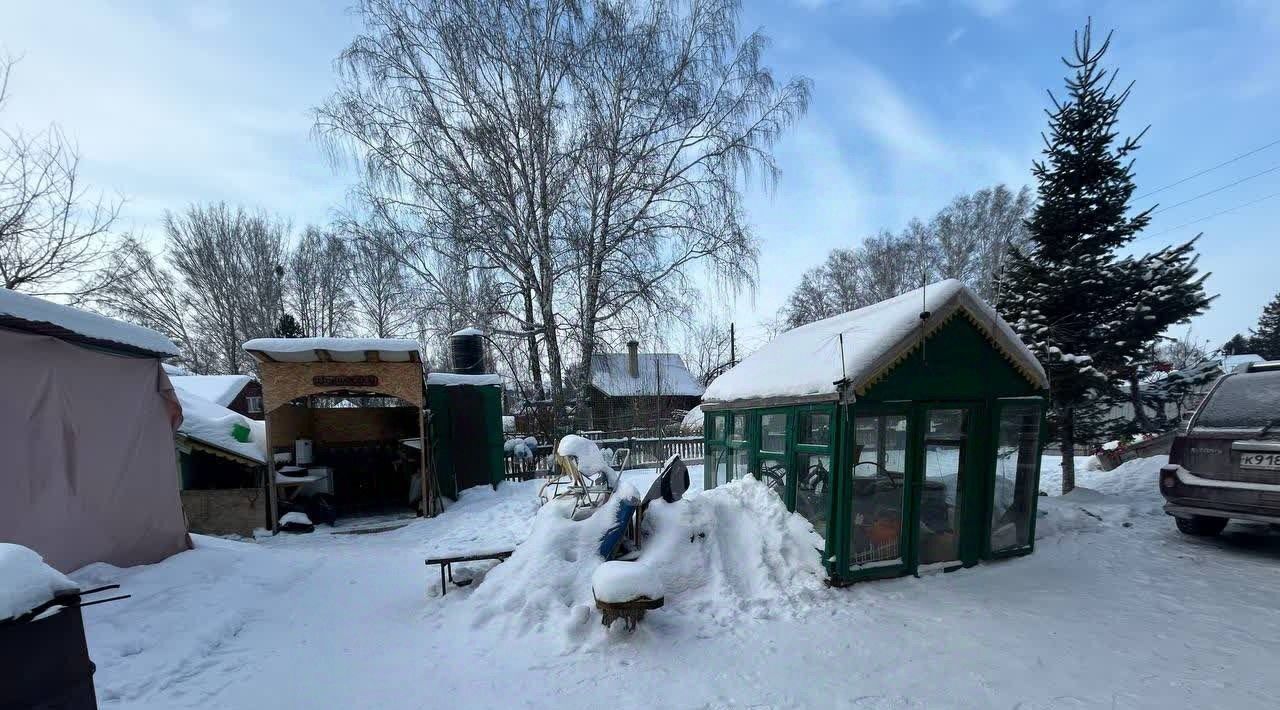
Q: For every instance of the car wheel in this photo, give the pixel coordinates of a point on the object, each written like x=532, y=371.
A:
x=1201, y=525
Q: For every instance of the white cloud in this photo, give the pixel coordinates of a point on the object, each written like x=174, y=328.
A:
x=989, y=8
x=165, y=116
x=955, y=35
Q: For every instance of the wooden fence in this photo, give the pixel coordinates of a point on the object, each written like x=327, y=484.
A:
x=646, y=452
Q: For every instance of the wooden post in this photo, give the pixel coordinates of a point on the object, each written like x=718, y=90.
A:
x=427, y=506
x=272, y=509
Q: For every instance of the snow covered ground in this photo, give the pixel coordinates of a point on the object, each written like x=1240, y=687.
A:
x=1114, y=610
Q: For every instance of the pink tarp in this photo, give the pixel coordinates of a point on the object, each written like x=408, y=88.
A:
x=88, y=471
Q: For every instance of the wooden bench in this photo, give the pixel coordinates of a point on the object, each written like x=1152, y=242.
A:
x=446, y=564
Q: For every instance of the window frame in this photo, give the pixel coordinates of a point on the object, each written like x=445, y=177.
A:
x=997, y=408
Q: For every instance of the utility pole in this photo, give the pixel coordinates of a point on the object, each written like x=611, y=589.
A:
x=733, y=358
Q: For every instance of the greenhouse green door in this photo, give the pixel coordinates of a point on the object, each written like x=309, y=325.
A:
x=914, y=502
x=944, y=483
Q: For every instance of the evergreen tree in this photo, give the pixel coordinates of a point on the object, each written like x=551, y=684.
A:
x=1237, y=345
x=288, y=327
x=1266, y=338
x=1087, y=313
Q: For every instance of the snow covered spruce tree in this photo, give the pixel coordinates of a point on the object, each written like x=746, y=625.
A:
x=1266, y=338
x=1087, y=312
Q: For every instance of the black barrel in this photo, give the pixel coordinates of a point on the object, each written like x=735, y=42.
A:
x=466, y=349
x=46, y=663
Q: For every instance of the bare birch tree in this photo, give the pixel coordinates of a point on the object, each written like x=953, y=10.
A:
x=380, y=288
x=232, y=264
x=153, y=297
x=53, y=231
x=585, y=153
x=967, y=240
x=316, y=284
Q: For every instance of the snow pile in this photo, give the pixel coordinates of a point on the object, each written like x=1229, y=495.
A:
x=521, y=448
x=1101, y=498
x=726, y=555
x=693, y=421
x=26, y=581
x=219, y=389
x=83, y=323
x=213, y=424
x=590, y=458
x=618, y=582
x=295, y=517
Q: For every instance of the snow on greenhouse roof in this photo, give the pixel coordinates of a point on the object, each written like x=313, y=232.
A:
x=611, y=374
x=36, y=315
x=804, y=363
x=335, y=349
x=213, y=425
x=219, y=389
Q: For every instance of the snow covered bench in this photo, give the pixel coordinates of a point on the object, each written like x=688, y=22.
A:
x=446, y=564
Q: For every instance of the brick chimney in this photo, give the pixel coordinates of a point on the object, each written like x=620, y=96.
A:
x=633, y=358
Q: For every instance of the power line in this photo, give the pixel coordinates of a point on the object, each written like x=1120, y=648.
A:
x=1217, y=189
x=1215, y=214
x=1208, y=170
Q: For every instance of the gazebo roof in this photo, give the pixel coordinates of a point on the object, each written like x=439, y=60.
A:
x=333, y=350
x=804, y=364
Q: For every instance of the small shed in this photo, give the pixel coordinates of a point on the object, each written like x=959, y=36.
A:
x=86, y=435
x=465, y=430
x=338, y=408
x=222, y=464
x=908, y=432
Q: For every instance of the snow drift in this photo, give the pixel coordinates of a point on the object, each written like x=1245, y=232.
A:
x=723, y=556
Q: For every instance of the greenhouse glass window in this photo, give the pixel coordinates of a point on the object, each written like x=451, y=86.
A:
x=740, y=427
x=773, y=432
x=1017, y=449
x=720, y=459
x=815, y=428
x=774, y=474
x=878, y=487
x=718, y=427
x=813, y=485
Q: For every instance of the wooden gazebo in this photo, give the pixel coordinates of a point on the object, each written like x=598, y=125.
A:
x=348, y=374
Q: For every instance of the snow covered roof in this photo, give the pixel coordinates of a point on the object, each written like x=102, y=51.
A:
x=1231, y=362
x=219, y=389
x=19, y=311
x=175, y=370
x=804, y=363
x=451, y=378
x=335, y=349
x=470, y=331
x=611, y=375
x=211, y=424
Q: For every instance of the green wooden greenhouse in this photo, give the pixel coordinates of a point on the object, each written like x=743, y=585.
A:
x=908, y=432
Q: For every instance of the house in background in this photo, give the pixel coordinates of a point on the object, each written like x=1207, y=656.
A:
x=634, y=390
x=239, y=393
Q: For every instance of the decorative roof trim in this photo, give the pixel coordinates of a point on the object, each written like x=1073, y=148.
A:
x=895, y=357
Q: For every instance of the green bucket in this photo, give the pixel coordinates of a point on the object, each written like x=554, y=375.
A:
x=241, y=433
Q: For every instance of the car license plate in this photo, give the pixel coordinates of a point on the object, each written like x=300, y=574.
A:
x=1270, y=461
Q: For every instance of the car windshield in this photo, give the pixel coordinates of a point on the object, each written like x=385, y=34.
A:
x=1247, y=400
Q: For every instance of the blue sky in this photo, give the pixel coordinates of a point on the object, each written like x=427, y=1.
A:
x=914, y=101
